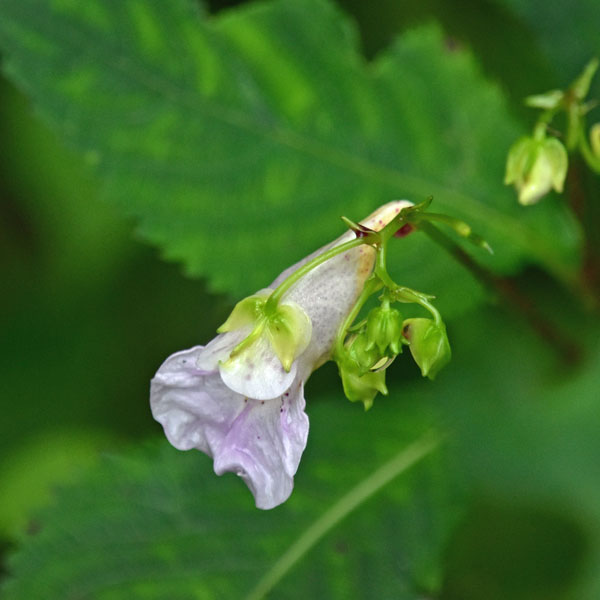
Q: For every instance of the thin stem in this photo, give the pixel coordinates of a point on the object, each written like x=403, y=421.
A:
x=372, y=285
x=287, y=283
x=592, y=161
x=397, y=290
x=400, y=463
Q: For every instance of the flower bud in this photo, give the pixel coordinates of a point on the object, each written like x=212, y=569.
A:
x=286, y=326
x=361, y=388
x=361, y=355
x=384, y=330
x=428, y=344
x=535, y=167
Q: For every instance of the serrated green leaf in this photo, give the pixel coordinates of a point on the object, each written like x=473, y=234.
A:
x=238, y=141
x=159, y=524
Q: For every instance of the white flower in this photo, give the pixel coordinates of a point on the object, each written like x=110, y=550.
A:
x=248, y=413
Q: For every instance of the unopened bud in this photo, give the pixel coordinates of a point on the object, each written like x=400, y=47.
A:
x=362, y=355
x=361, y=388
x=428, y=344
x=535, y=167
x=384, y=330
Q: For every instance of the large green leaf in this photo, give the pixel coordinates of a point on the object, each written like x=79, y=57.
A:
x=238, y=141
x=159, y=524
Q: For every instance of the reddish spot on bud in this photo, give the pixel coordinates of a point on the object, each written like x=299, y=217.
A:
x=406, y=332
x=404, y=230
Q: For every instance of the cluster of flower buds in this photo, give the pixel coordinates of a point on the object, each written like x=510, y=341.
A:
x=368, y=352
x=538, y=163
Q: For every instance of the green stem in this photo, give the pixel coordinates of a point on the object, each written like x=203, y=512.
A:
x=359, y=494
x=590, y=158
x=287, y=283
x=397, y=290
x=372, y=285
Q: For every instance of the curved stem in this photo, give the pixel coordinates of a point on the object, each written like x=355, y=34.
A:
x=592, y=161
x=372, y=285
x=400, y=463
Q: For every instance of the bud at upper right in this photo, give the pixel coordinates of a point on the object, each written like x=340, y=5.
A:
x=428, y=344
x=535, y=167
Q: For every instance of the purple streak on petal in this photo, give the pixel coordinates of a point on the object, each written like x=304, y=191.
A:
x=260, y=440
x=264, y=446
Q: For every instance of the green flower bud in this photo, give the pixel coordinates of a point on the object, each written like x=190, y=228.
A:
x=361, y=388
x=535, y=167
x=246, y=312
x=362, y=356
x=286, y=326
x=384, y=330
x=428, y=344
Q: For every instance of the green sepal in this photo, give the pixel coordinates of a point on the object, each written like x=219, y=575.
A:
x=428, y=344
x=362, y=388
x=384, y=330
x=460, y=227
x=548, y=100
x=556, y=155
x=361, y=354
x=289, y=330
x=287, y=327
x=246, y=312
x=521, y=157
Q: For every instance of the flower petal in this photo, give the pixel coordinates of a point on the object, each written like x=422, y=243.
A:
x=262, y=441
x=257, y=372
x=264, y=446
x=193, y=405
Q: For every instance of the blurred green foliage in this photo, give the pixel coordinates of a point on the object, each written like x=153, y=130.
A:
x=87, y=312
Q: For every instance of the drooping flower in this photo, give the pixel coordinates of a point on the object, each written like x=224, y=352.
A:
x=535, y=167
x=242, y=403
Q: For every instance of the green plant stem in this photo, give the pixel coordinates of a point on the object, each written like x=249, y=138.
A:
x=592, y=161
x=396, y=290
x=400, y=463
x=287, y=283
x=372, y=285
